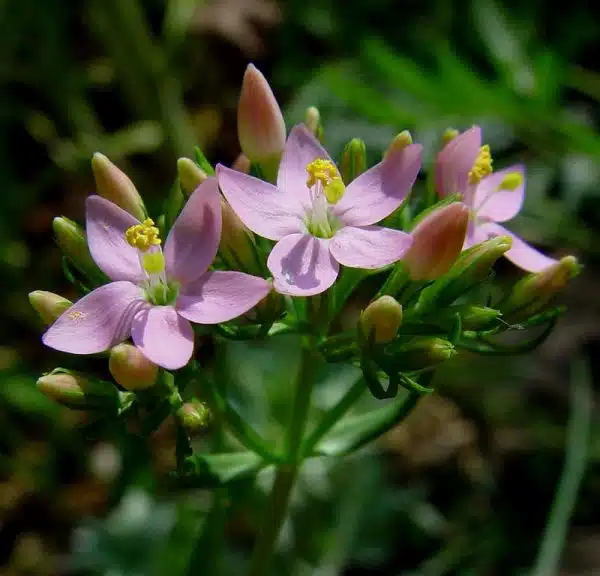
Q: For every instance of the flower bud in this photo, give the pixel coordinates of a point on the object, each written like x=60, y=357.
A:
x=194, y=415
x=312, y=119
x=532, y=294
x=472, y=267
x=437, y=242
x=48, y=305
x=400, y=142
x=421, y=353
x=114, y=185
x=130, y=368
x=475, y=317
x=71, y=239
x=75, y=390
x=261, y=128
x=354, y=160
x=242, y=164
x=383, y=317
x=237, y=246
x=190, y=175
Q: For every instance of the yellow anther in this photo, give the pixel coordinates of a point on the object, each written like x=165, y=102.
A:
x=449, y=134
x=511, y=181
x=76, y=316
x=154, y=262
x=482, y=166
x=143, y=236
x=325, y=172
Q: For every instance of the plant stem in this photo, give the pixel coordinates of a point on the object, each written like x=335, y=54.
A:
x=286, y=473
x=578, y=434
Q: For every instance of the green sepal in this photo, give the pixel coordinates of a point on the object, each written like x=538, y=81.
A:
x=202, y=162
x=211, y=470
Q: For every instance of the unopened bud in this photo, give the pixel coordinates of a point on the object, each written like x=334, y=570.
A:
x=71, y=239
x=472, y=267
x=237, y=246
x=437, y=242
x=449, y=134
x=114, y=185
x=130, y=368
x=312, y=119
x=48, y=305
x=421, y=353
x=382, y=318
x=354, y=160
x=190, y=175
x=400, y=142
x=475, y=317
x=261, y=128
x=75, y=390
x=242, y=164
x=194, y=415
x=533, y=293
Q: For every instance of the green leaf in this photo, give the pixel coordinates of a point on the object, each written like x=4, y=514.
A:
x=353, y=432
x=218, y=469
x=203, y=162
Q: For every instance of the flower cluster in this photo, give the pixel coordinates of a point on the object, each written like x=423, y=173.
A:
x=240, y=253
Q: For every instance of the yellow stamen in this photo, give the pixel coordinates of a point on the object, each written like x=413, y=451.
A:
x=482, y=166
x=511, y=181
x=76, y=316
x=143, y=236
x=325, y=172
x=449, y=134
x=154, y=263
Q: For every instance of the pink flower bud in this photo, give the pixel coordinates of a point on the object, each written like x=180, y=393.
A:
x=242, y=164
x=261, y=128
x=130, y=368
x=48, y=305
x=114, y=185
x=437, y=242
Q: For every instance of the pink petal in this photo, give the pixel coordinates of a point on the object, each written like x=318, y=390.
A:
x=163, y=336
x=369, y=247
x=499, y=205
x=262, y=207
x=455, y=161
x=300, y=150
x=194, y=239
x=98, y=321
x=106, y=224
x=521, y=254
x=302, y=265
x=379, y=191
x=221, y=296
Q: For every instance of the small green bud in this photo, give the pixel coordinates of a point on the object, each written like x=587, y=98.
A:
x=190, y=175
x=421, y=353
x=114, y=185
x=354, y=160
x=479, y=317
x=533, y=293
x=472, y=267
x=130, y=368
x=383, y=317
x=194, y=415
x=48, y=305
x=71, y=239
x=449, y=134
x=312, y=119
x=76, y=390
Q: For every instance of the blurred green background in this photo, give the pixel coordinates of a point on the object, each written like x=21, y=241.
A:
x=467, y=484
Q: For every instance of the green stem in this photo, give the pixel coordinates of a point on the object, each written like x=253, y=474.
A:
x=286, y=473
x=578, y=434
x=332, y=416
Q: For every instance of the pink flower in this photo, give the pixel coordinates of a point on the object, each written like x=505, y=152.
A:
x=154, y=294
x=464, y=166
x=318, y=222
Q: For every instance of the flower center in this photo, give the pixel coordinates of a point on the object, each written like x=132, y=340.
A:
x=482, y=166
x=326, y=189
x=145, y=238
